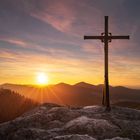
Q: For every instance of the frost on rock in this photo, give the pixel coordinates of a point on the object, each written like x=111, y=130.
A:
x=54, y=122
x=125, y=113
x=93, y=127
x=118, y=138
x=74, y=137
x=63, y=114
x=29, y=134
x=94, y=107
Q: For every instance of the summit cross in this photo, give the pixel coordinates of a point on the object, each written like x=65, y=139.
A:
x=106, y=37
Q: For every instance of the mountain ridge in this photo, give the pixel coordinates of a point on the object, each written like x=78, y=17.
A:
x=82, y=83
x=81, y=93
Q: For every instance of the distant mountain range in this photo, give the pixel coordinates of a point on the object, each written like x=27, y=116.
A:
x=80, y=94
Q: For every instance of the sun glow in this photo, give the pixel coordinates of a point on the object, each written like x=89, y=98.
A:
x=42, y=79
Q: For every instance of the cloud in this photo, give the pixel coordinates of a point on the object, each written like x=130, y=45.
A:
x=58, y=14
x=61, y=24
x=49, y=34
x=14, y=41
x=7, y=54
x=68, y=16
x=27, y=45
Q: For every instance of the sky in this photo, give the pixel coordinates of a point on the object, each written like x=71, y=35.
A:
x=47, y=36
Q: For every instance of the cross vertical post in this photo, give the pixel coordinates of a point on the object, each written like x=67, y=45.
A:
x=106, y=81
x=106, y=37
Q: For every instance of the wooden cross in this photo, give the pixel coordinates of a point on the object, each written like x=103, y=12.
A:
x=106, y=37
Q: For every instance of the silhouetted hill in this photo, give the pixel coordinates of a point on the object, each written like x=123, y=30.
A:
x=85, y=85
x=80, y=94
x=62, y=85
x=13, y=105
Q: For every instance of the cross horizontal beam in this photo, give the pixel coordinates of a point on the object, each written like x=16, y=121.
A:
x=118, y=37
x=93, y=37
x=107, y=37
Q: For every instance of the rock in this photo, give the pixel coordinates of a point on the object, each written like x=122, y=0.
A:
x=63, y=114
x=74, y=137
x=29, y=134
x=118, y=138
x=94, y=127
x=54, y=122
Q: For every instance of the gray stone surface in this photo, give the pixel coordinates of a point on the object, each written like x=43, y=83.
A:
x=54, y=122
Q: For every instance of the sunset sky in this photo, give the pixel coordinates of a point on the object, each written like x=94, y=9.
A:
x=47, y=36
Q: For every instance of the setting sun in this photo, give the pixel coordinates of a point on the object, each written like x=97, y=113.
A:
x=42, y=79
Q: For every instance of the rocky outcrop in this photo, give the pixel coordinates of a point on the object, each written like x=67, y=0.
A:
x=54, y=122
x=74, y=137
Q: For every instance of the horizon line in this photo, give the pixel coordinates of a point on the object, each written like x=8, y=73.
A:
x=126, y=86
